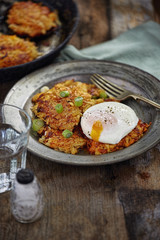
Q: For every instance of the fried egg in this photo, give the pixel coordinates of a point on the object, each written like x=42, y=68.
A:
x=108, y=122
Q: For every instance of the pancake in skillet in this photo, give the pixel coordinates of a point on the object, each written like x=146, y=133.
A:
x=31, y=19
x=15, y=51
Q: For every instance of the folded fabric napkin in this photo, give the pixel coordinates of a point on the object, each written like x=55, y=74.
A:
x=139, y=47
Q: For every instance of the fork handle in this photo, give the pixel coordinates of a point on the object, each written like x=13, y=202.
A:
x=138, y=97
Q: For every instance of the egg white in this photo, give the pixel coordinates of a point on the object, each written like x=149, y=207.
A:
x=117, y=121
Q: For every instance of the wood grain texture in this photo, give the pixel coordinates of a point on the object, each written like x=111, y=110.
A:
x=113, y=202
x=93, y=25
x=128, y=14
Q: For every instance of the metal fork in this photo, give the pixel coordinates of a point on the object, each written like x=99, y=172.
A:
x=117, y=92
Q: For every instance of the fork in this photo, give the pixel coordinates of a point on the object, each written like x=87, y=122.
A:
x=117, y=92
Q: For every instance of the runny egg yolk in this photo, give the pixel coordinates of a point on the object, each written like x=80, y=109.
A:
x=108, y=122
x=97, y=128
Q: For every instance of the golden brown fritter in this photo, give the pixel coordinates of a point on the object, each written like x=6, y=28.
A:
x=44, y=104
x=97, y=148
x=15, y=51
x=54, y=139
x=31, y=19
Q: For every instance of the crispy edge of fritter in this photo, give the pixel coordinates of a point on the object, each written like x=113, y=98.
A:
x=98, y=148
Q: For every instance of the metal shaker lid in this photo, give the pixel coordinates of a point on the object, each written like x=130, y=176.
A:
x=25, y=176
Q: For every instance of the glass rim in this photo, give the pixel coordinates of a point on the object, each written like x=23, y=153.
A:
x=26, y=114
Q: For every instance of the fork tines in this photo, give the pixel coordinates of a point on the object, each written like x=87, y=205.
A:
x=103, y=83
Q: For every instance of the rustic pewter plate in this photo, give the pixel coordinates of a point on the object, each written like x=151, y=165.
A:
x=124, y=75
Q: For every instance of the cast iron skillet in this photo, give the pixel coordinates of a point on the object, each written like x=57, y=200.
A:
x=50, y=45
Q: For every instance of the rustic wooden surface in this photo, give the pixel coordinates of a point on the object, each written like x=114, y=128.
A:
x=112, y=202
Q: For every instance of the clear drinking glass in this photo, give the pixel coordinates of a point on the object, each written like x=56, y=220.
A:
x=14, y=132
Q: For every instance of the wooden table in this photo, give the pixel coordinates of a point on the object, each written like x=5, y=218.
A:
x=119, y=201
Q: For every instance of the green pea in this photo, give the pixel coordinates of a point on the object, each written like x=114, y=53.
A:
x=37, y=124
x=103, y=94
x=59, y=108
x=64, y=94
x=94, y=97
x=78, y=101
x=67, y=133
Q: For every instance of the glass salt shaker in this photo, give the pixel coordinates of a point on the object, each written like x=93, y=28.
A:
x=27, y=202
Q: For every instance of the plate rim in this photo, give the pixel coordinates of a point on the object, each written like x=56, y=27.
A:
x=103, y=161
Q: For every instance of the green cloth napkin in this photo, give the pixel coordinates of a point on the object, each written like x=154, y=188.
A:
x=139, y=47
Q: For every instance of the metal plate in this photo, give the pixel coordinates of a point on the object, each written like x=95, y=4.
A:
x=50, y=45
x=126, y=76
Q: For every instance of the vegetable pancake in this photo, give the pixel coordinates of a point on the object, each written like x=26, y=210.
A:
x=15, y=51
x=31, y=19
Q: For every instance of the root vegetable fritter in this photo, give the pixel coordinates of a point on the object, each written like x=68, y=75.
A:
x=54, y=139
x=97, y=148
x=45, y=104
x=31, y=19
x=15, y=51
